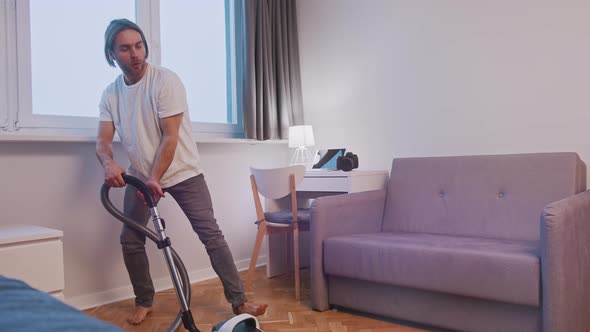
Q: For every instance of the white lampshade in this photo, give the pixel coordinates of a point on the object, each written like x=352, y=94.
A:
x=301, y=136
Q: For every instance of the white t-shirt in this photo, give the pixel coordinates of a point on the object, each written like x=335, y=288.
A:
x=135, y=111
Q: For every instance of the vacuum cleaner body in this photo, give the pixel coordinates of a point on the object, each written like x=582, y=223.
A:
x=240, y=323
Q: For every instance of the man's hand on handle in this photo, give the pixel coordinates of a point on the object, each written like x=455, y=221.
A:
x=112, y=174
x=157, y=191
x=112, y=177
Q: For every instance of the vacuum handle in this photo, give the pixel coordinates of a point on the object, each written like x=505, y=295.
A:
x=145, y=190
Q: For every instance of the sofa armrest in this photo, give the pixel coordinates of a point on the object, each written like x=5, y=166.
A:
x=565, y=264
x=338, y=215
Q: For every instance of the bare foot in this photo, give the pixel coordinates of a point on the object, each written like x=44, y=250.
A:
x=252, y=309
x=138, y=315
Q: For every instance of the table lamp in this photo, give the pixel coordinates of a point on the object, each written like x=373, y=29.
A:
x=300, y=138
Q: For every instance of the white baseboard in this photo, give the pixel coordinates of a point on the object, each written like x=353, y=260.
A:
x=92, y=300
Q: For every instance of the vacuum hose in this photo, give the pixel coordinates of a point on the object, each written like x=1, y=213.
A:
x=176, y=266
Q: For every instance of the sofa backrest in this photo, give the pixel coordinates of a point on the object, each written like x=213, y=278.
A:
x=494, y=196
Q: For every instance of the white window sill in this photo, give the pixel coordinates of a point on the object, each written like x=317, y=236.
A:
x=17, y=137
x=239, y=140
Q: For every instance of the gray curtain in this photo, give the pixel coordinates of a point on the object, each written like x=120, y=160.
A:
x=269, y=79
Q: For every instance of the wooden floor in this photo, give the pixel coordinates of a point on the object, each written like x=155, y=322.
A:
x=284, y=314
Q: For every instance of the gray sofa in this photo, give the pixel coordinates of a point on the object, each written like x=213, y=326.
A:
x=470, y=243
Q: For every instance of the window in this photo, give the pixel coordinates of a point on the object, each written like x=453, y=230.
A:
x=199, y=53
x=62, y=71
x=68, y=69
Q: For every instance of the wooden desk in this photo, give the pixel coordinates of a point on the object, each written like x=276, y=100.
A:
x=339, y=182
x=316, y=183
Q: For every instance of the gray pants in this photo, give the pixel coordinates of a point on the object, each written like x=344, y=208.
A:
x=193, y=197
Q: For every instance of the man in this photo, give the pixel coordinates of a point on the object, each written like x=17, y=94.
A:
x=147, y=107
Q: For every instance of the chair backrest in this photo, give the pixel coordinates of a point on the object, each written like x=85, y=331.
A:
x=273, y=183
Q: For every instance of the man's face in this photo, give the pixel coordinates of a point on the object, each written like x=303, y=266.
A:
x=129, y=53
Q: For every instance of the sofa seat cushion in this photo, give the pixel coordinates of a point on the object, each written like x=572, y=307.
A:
x=501, y=270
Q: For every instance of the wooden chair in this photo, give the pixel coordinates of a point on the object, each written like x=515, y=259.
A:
x=274, y=184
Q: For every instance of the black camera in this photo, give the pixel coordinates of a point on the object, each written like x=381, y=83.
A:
x=348, y=162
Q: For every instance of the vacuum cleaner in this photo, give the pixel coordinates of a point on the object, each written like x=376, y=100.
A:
x=180, y=279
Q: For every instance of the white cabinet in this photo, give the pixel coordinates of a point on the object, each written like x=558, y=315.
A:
x=34, y=255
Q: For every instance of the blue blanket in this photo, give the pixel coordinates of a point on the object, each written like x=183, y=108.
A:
x=23, y=308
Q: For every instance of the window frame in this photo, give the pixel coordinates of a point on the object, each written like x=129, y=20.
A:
x=16, y=113
x=8, y=72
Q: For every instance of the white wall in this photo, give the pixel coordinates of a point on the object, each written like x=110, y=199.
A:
x=56, y=185
x=395, y=78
